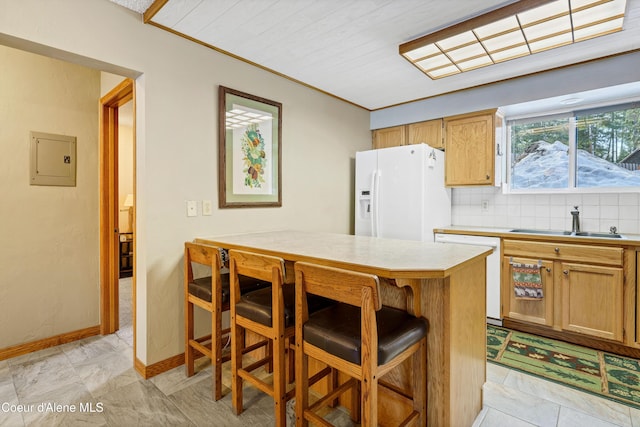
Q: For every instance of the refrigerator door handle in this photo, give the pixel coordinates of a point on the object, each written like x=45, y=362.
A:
x=375, y=203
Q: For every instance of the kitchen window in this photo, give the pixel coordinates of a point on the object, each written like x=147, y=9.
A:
x=587, y=149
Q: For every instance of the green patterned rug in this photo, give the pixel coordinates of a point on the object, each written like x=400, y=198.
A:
x=603, y=374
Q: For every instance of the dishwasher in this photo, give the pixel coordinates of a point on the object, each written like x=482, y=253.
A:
x=493, y=269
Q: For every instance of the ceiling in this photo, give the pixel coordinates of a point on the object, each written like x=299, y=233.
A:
x=349, y=48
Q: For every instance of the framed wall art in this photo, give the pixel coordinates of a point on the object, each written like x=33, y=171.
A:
x=250, y=150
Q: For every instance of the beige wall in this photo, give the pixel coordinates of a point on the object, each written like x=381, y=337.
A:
x=176, y=144
x=49, y=275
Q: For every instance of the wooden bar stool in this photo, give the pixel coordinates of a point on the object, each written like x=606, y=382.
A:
x=269, y=313
x=357, y=336
x=212, y=294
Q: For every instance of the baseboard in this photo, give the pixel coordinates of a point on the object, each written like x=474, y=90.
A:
x=145, y=371
x=140, y=367
x=159, y=367
x=30, y=347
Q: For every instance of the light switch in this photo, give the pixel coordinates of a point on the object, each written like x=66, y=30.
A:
x=207, y=207
x=192, y=208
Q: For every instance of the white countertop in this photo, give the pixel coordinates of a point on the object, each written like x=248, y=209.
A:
x=385, y=257
x=625, y=240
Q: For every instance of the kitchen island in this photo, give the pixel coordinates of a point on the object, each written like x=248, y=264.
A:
x=443, y=283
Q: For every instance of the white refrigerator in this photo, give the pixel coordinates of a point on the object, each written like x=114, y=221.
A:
x=400, y=193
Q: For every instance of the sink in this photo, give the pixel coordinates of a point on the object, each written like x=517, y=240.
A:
x=568, y=233
x=552, y=232
x=602, y=235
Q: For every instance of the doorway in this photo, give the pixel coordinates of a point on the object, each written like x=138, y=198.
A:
x=110, y=233
x=125, y=222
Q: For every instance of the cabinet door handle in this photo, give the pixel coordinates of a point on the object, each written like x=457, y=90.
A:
x=548, y=270
x=557, y=250
x=566, y=272
x=488, y=177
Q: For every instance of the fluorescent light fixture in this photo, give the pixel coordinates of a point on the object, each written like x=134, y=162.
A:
x=519, y=29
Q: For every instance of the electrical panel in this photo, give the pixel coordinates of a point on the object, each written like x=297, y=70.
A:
x=53, y=159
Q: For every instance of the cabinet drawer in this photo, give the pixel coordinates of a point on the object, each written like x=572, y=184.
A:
x=564, y=251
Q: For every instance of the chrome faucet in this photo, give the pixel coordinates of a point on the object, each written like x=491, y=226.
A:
x=575, y=225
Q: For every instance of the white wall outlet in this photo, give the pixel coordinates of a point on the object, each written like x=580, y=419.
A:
x=484, y=206
x=207, y=207
x=192, y=208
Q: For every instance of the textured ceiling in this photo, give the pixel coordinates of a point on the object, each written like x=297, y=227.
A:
x=136, y=5
x=349, y=48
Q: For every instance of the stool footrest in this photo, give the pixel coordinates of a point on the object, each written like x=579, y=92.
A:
x=333, y=395
x=257, y=383
x=203, y=339
x=394, y=389
x=206, y=350
x=255, y=346
x=316, y=419
x=255, y=365
x=320, y=375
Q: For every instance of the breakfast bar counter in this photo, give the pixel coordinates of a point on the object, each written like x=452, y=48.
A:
x=443, y=283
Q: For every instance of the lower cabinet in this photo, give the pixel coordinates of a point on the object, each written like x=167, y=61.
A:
x=592, y=300
x=538, y=311
x=583, y=287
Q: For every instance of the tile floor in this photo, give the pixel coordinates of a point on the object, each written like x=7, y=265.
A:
x=96, y=375
x=514, y=399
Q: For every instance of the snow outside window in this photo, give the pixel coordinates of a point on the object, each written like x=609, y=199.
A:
x=598, y=148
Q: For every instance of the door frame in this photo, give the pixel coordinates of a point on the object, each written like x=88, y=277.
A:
x=109, y=207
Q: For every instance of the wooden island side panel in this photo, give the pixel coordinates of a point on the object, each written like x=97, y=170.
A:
x=456, y=345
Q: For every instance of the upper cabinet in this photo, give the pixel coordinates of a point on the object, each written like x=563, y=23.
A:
x=429, y=132
x=389, y=137
x=470, y=141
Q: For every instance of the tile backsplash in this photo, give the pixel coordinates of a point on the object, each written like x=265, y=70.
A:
x=488, y=207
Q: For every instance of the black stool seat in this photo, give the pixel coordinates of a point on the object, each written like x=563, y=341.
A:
x=201, y=288
x=336, y=330
x=256, y=305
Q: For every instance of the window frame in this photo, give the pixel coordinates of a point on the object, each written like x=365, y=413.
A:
x=573, y=164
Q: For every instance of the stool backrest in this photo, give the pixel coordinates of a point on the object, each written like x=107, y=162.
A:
x=339, y=285
x=349, y=287
x=200, y=253
x=262, y=267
